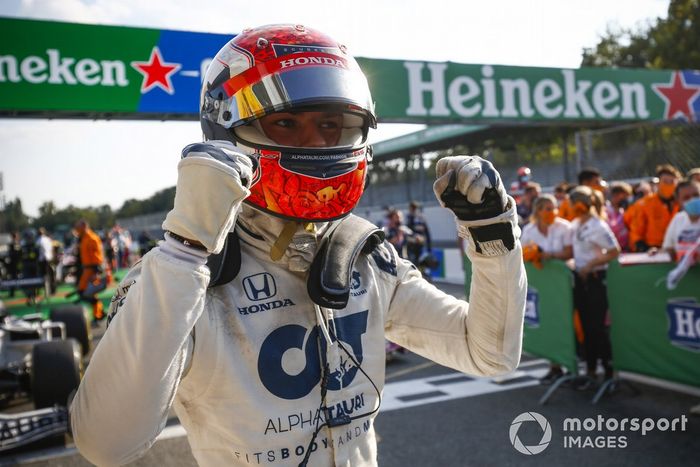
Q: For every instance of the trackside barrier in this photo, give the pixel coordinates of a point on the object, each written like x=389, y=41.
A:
x=655, y=331
x=548, y=329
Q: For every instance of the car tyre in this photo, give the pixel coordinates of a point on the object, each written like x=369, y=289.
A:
x=76, y=322
x=56, y=372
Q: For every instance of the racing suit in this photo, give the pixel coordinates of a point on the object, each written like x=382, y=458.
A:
x=242, y=363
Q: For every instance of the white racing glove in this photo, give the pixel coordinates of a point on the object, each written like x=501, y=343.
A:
x=471, y=188
x=213, y=179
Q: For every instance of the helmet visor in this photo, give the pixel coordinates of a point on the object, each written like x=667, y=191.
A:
x=289, y=82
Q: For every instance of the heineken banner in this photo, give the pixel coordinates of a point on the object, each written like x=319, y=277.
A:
x=655, y=331
x=58, y=69
x=549, y=314
x=411, y=91
x=53, y=69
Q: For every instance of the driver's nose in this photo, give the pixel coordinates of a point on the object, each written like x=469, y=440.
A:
x=311, y=137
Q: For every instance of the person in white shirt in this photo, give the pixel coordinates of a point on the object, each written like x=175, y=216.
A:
x=46, y=267
x=594, y=247
x=552, y=236
x=684, y=229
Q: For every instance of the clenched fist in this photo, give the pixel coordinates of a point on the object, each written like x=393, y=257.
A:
x=471, y=187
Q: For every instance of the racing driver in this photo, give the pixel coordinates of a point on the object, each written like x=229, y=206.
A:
x=261, y=317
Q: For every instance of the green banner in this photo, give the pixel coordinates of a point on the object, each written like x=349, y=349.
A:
x=655, y=331
x=549, y=315
x=432, y=92
x=51, y=66
x=54, y=69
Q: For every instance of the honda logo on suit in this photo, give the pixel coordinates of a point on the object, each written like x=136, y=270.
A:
x=260, y=286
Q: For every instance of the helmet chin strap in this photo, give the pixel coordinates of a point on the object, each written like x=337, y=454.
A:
x=285, y=238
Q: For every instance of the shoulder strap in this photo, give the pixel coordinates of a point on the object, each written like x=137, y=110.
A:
x=329, y=278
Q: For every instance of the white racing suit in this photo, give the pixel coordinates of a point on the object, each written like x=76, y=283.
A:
x=241, y=363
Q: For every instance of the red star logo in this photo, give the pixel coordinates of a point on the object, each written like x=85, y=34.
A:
x=678, y=97
x=156, y=72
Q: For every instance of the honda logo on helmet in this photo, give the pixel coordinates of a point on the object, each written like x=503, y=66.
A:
x=260, y=286
x=312, y=60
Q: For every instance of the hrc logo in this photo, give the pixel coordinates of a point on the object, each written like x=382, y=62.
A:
x=532, y=315
x=684, y=323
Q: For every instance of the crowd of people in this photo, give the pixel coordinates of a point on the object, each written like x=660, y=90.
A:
x=410, y=235
x=591, y=223
x=80, y=255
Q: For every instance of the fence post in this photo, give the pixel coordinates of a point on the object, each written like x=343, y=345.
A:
x=579, y=150
x=565, y=156
x=421, y=176
x=589, y=147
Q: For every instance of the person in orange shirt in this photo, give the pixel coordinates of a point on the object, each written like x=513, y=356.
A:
x=655, y=211
x=91, y=261
x=561, y=192
x=641, y=191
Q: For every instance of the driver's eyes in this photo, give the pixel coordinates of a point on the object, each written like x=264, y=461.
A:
x=284, y=123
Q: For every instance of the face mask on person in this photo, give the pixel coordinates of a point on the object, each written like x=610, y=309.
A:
x=580, y=209
x=547, y=217
x=692, y=207
x=666, y=190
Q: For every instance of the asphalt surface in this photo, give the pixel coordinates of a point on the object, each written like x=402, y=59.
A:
x=461, y=421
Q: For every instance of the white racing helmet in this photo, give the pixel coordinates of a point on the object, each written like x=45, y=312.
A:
x=291, y=68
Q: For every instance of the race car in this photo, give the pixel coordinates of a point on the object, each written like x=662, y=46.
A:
x=43, y=360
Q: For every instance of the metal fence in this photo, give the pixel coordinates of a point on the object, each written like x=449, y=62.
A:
x=398, y=181
x=634, y=151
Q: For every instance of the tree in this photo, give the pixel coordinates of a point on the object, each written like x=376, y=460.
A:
x=12, y=218
x=619, y=48
x=161, y=201
x=677, y=38
x=667, y=43
x=47, y=215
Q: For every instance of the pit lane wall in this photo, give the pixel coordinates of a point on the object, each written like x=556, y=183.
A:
x=654, y=331
x=56, y=69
